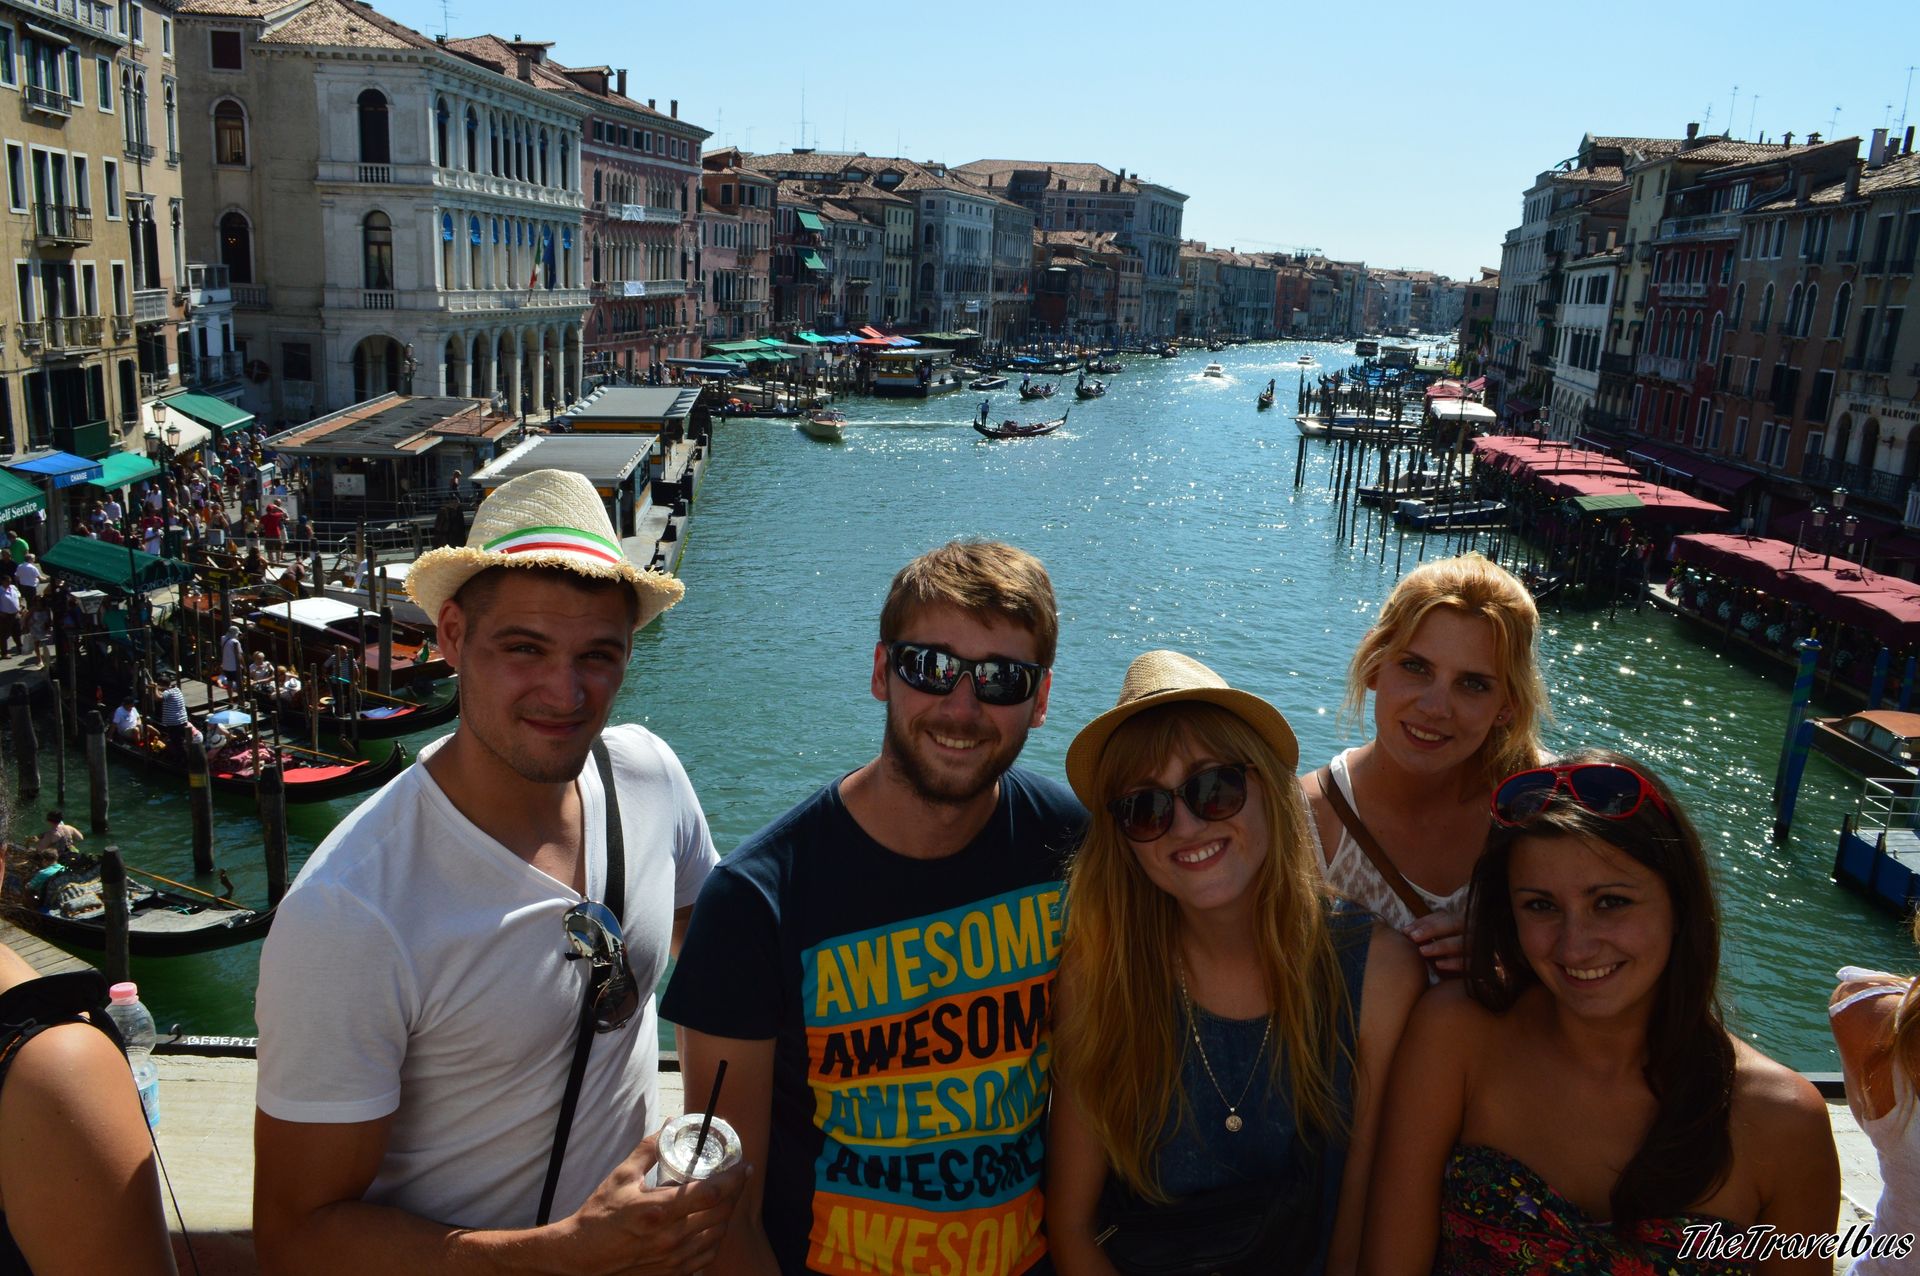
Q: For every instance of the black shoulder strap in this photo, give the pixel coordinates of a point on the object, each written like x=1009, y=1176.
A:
x=28, y=1009
x=1363, y=838
x=616, y=894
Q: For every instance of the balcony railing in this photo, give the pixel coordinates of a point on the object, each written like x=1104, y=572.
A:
x=376, y=174
x=150, y=305
x=49, y=101
x=93, y=14
x=250, y=296
x=1901, y=265
x=142, y=151
x=207, y=284
x=1874, y=267
x=1847, y=256
x=173, y=158
x=62, y=224
x=1699, y=225
x=214, y=369
x=376, y=299
x=1665, y=368
x=1619, y=365
x=1540, y=358
x=644, y=213
x=122, y=327
x=151, y=383
x=64, y=335
x=1682, y=288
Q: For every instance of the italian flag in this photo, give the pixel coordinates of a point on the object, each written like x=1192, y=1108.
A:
x=563, y=540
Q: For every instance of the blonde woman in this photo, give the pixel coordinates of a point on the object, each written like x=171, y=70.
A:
x=1876, y=1023
x=1223, y=1027
x=1457, y=703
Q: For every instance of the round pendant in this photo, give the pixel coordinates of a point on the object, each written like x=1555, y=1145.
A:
x=1233, y=1123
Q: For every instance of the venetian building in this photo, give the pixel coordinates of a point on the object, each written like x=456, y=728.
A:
x=392, y=215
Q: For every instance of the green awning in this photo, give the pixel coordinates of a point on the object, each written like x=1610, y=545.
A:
x=811, y=260
x=18, y=497
x=813, y=338
x=810, y=221
x=217, y=414
x=115, y=565
x=118, y=469
x=1606, y=502
x=735, y=347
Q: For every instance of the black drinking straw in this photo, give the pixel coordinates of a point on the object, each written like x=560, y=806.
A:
x=706, y=1122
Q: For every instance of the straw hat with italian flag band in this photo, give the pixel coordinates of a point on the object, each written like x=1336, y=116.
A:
x=544, y=518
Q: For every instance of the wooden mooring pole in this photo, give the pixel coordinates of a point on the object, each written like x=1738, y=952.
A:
x=95, y=732
x=26, y=746
x=116, y=962
x=273, y=827
x=200, y=803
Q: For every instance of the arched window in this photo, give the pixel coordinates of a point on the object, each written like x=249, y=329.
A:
x=475, y=272
x=566, y=164
x=1807, y=304
x=1792, y=321
x=229, y=132
x=236, y=247
x=1719, y=332
x=543, y=159
x=1693, y=337
x=493, y=142
x=1842, y=304
x=1739, y=305
x=173, y=132
x=1765, y=316
x=597, y=196
x=473, y=141
x=440, y=118
x=376, y=252
x=374, y=145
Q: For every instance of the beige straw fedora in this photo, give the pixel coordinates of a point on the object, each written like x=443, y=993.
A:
x=1165, y=677
x=544, y=518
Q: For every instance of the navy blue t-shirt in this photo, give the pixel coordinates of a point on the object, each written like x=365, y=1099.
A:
x=910, y=1005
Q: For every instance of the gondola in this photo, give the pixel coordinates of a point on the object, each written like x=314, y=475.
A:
x=1106, y=367
x=309, y=774
x=1042, y=391
x=378, y=717
x=1089, y=389
x=66, y=909
x=1169, y=350
x=1020, y=430
x=1265, y=400
x=304, y=631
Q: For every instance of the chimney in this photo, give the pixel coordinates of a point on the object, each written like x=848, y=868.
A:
x=1786, y=139
x=1693, y=131
x=1853, y=180
x=1877, y=149
x=523, y=67
x=1803, y=188
x=650, y=104
x=673, y=107
x=620, y=81
x=1813, y=139
x=1906, y=147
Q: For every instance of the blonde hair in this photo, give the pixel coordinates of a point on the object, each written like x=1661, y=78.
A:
x=984, y=578
x=1476, y=587
x=1122, y=1039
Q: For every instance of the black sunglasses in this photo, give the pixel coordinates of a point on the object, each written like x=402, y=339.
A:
x=1216, y=793
x=996, y=680
x=593, y=933
x=1606, y=789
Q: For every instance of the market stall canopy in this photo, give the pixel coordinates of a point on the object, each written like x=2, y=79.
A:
x=119, y=469
x=222, y=417
x=1887, y=608
x=1599, y=493
x=1459, y=411
x=1745, y=560
x=1523, y=455
x=117, y=565
x=61, y=469
x=18, y=498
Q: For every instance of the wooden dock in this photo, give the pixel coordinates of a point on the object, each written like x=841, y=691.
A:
x=42, y=956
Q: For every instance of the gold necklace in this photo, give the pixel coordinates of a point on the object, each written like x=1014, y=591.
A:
x=1233, y=1122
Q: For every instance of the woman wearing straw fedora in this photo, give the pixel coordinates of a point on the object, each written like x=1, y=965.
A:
x=1223, y=1027
x=425, y=1037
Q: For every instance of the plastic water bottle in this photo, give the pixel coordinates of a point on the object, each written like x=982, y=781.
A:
x=135, y=1023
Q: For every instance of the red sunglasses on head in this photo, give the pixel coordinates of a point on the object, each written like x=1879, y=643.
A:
x=1607, y=789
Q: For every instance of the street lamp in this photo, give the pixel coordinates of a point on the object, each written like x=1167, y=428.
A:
x=159, y=411
x=1839, y=505
x=1818, y=514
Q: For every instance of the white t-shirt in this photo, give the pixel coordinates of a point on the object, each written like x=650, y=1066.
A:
x=27, y=576
x=417, y=968
x=126, y=720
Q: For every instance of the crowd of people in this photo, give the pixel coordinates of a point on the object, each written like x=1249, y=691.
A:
x=1443, y=1004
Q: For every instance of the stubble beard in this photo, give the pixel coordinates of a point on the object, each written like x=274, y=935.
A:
x=936, y=789
x=534, y=768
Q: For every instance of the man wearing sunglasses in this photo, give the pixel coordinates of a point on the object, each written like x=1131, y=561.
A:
x=482, y=937
x=876, y=965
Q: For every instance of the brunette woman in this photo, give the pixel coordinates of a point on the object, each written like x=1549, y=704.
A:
x=1457, y=700
x=1223, y=1026
x=1578, y=1105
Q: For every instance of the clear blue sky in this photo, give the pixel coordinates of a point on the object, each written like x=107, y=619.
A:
x=1394, y=133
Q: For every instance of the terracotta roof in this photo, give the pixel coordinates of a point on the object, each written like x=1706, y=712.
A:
x=499, y=54
x=1900, y=173
x=1101, y=240
x=337, y=24
x=233, y=8
x=822, y=162
x=1078, y=177
x=1724, y=151
x=1645, y=146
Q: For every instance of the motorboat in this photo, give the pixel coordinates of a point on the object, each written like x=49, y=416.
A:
x=1213, y=370
x=823, y=424
x=1020, y=430
x=995, y=382
x=1876, y=744
x=1306, y=361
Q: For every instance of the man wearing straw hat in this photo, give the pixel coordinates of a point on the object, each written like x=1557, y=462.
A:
x=421, y=1026
x=876, y=966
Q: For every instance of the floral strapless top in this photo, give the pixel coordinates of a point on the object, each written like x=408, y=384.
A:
x=1500, y=1218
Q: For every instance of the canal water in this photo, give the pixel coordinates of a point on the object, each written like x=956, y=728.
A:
x=1168, y=517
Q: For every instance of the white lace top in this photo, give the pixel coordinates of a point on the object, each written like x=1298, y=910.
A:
x=1353, y=876
x=1896, y=1139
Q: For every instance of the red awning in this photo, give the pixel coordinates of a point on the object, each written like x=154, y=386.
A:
x=1658, y=504
x=874, y=333
x=1522, y=454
